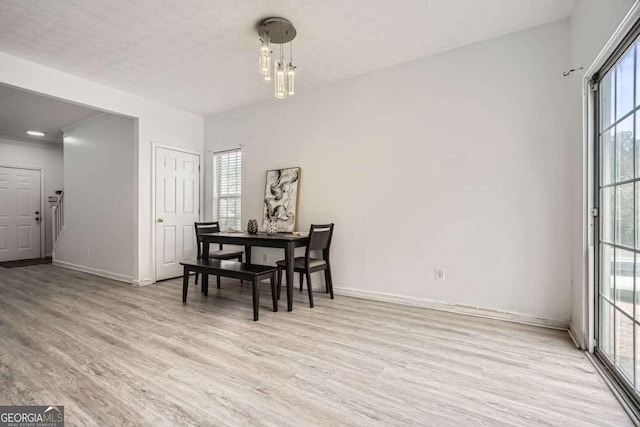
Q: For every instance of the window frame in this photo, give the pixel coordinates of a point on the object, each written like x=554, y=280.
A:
x=217, y=193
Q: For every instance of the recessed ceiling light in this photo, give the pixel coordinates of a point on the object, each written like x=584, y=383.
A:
x=35, y=133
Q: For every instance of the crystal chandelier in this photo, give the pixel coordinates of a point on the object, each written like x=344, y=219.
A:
x=277, y=31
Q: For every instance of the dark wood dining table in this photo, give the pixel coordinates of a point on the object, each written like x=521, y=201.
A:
x=286, y=241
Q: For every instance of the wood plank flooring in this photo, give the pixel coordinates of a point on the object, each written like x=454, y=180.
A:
x=116, y=356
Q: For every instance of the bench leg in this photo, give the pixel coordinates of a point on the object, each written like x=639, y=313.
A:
x=218, y=281
x=309, y=289
x=185, y=285
x=255, y=290
x=274, y=295
x=205, y=283
x=302, y=281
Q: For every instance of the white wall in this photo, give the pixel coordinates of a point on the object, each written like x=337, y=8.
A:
x=41, y=156
x=458, y=160
x=156, y=122
x=99, y=198
x=592, y=23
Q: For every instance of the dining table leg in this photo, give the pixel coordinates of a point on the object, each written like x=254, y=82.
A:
x=205, y=249
x=289, y=258
x=247, y=254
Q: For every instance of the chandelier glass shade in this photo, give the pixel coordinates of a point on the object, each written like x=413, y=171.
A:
x=265, y=58
x=291, y=79
x=280, y=86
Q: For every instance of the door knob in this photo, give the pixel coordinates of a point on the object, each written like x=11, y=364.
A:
x=160, y=220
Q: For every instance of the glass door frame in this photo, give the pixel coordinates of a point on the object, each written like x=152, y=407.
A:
x=632, y=390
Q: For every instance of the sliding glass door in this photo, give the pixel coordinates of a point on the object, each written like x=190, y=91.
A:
x=618, y=231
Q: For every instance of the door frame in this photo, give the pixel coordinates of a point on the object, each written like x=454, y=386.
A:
x=154, y=149
x=590, y=185
x=43, y=224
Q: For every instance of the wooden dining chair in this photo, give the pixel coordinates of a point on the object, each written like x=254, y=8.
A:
x=319, y=240
x=221, y=254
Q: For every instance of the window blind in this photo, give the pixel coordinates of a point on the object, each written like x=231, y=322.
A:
x=227, y=188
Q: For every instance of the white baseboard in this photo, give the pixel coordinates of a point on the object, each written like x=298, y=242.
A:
x=94, y=271
x=573, y=338
x=142, y=282
x=456, y=308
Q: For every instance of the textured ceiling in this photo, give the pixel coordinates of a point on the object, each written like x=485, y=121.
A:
x=21, y=111
x=201, y=55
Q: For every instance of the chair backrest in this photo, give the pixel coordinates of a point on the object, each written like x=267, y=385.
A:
x=320, y=239
x=205, y=227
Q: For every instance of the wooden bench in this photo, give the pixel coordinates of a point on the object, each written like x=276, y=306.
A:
x=236, y=270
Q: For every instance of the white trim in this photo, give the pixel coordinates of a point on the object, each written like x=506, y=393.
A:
x=136, y=198
x=154, y=147
x=467, y=310
x=99, y=117
x=20, y=142
x=588, y=318
x=573, y=338
x=618, y=36
x=588, y=131
x=94, y=271
x=43, y=222
x=143, y=282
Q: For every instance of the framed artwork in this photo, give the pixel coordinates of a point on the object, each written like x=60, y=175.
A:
x=281, y=199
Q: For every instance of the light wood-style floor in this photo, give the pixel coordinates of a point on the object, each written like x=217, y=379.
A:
x=116, y=355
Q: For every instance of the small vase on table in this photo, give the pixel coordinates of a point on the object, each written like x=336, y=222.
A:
x=272, y=227
x=252, y=226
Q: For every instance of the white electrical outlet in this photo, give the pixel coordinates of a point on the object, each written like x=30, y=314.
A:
x=439, y=274
x=265, y=258
x=87, y=251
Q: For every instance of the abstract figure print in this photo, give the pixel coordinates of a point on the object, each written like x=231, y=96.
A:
x=281, y=199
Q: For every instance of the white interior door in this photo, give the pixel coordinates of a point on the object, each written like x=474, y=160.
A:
x=177, y=208
x=20, y=215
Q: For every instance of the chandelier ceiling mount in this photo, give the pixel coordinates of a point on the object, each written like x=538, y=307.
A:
x=279, y=30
